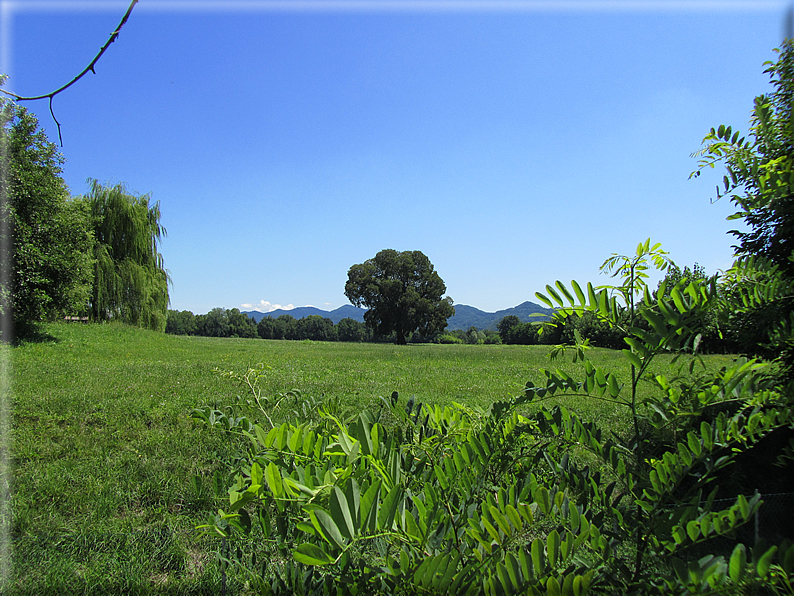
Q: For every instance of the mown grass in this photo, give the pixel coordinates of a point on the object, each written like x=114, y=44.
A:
x=104, y=449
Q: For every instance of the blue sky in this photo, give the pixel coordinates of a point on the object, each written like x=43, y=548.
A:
x=514, y=143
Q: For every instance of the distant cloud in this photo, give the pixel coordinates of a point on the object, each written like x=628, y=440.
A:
x=265, y=306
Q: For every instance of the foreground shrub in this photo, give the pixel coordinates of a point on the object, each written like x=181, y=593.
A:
x=411, y=498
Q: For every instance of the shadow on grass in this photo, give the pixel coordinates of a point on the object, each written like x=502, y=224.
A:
x=30, y=333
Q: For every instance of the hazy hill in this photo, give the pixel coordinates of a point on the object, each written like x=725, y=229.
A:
x=468, y=316
x=465, y=316
x=336, y=315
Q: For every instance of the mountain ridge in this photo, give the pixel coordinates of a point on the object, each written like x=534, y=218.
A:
x=465, y=316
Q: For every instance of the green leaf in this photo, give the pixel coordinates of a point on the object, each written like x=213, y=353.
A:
x=442, y=477
x=430, y=570
x=491, y=530
x=309, y=554
x=744, y=507
x=681, y=570
x=591, y=296
x=389, y=508
x=328, y=529
x=614, y=388
x=788, y=560
x=693, y=530
x=765, y=562
x=581, y=584
x=694, y=443
x=340, y=512
x=500, y=520
x=656, y=322
x=633, y=359
x=504, y=578
x=538, y=557
x=544, y=300
x=353, y=495
x=369, y=507
x=564, y=291
x=738, y=563
x=567, y=585
x=442, y=585
x=411, y=527
x=527, y=568
x=543, y=500
x=514, y=571
x=675, y=293
x=273, y=477
x=257, y=477
x=282, y=436
x=513, y=516
x=602, y=303
x=365, y=435
x=553, y=293
x=295, y=441
x=553, y=544
x=553, y=587
x=637, y=345
x=579, y=294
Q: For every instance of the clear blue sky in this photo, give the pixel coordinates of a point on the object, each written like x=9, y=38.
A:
x=514, y=143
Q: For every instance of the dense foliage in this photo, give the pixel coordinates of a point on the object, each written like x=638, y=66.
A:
x=413, y=498
x=403, y=293
x=50, y=234
x=130, y=281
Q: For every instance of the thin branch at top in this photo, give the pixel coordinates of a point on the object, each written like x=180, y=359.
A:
x=90, y=67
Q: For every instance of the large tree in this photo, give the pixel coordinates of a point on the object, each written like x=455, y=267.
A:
x=403, y=293
x=46, y=248
x=130, y=283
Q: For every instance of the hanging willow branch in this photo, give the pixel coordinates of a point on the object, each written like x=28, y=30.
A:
x=90, y=67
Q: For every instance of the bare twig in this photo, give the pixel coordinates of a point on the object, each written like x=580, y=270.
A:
x=90, y=67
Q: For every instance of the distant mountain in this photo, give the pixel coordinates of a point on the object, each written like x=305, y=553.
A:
x=468, y=316
x=465, y=316
x=336, y=315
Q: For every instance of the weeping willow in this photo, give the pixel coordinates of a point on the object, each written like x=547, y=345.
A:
x=130, y=282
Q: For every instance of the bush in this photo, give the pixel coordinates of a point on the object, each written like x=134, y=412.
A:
x=448, y=338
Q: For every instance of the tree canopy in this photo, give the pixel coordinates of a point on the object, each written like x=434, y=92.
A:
x=49, y=252
x=403, y=293
x=130, y=283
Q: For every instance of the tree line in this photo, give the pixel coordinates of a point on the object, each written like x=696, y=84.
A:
x=221, y=322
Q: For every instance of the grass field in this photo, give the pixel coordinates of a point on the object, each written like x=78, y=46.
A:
x=104, y=449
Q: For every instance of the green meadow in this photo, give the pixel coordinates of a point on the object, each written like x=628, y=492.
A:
x=105, y=452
